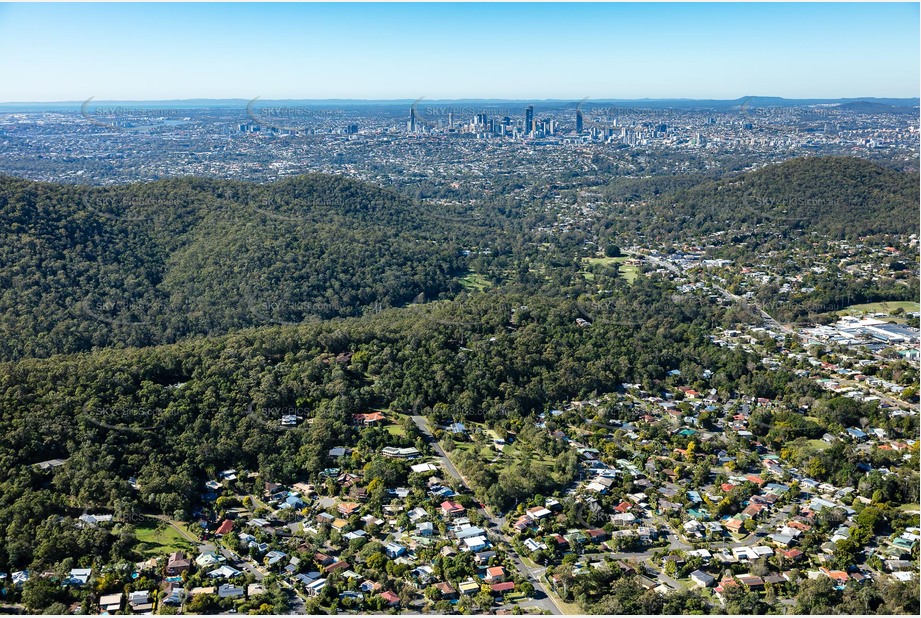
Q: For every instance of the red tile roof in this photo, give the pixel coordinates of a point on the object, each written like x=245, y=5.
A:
x=452, y=507
x=225, y=527
x=390, y=597
x=369, y=417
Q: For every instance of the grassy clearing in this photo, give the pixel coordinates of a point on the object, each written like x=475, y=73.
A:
x=881, y=307
x=395, y=430
x=158, y=538
x=476, y=282
x=603, y=261
x=628, y=271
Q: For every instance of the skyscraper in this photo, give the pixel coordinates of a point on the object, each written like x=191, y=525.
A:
x=529, y=119
x=579, y=121
x=411, y=125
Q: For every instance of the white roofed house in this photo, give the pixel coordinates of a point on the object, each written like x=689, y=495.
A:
x=693, y=528
x=394, y=550
x=534, y=545
x=223, y=571
x=206, y=559
x=111, y=603
x=424, y=467
x=425, y=529
x=417, y=514
x=314, y=587
x=229, y=591
x=228, y=475
x=702, y=578
x=78, y=577
x=424, y=574
x=91, y=520
x=469, y=532
x=476, y=543
x=140, y=601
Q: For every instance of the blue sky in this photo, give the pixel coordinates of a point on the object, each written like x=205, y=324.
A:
x=57, y=52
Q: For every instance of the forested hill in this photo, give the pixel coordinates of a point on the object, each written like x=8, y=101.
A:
x=150, y=263
x=840, y=197
x=173, y=415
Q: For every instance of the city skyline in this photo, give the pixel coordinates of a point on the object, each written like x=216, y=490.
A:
x=141, y=52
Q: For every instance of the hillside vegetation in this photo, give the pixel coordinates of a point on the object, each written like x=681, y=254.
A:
x=836, y=196
x=142, y=264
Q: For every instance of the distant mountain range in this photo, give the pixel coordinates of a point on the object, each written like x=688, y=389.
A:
x=868, y=104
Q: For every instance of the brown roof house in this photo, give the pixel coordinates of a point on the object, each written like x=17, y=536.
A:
x=177, y=564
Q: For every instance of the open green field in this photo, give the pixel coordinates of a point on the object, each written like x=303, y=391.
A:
x=470, y=447
x=818, y=444
x=395, y=430
x=628, y=271
x=476, y=282
x=157, y=538
x=603, y=261
x=881, y=307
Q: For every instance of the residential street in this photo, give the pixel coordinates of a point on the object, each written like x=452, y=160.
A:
x=541, y=599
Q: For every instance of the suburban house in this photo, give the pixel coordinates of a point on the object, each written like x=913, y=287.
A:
x=225, y=528
x=369, y=419
x=702, y=578
x=111, y=603
x=452, y=509
x=177, y=564
x=391, y=598
x=495, y=574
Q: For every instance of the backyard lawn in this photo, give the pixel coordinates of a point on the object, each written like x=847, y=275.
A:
x=159, y=538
